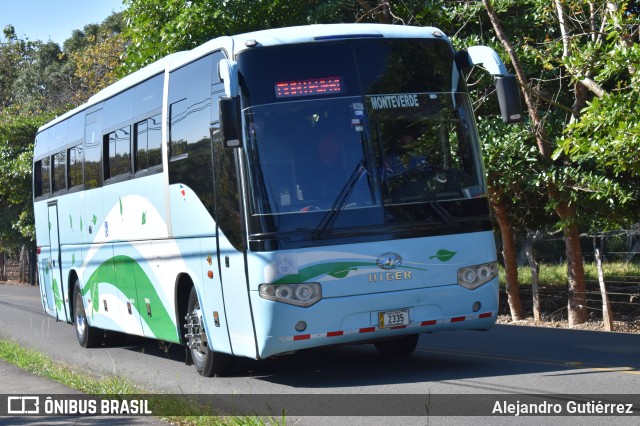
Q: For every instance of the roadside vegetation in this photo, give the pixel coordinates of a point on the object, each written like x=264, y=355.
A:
x=38, y=363
x=623, y=289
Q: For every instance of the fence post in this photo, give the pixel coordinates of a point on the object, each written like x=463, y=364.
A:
x=607, y=315
x=535, y=270
x=3, y=269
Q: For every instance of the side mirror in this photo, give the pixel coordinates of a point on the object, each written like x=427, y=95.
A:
x=509, y=98
x=228, y=72
x=506, y=84
x=231, y=123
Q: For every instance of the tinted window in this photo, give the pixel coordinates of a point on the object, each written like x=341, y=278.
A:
x=179, y=118
x=75, y=130
x=191, y=111
x=148, y=96
x=190, y=105
x=117, y=152
x=148, y=140
x=363, y=66
x=41, y=177
x=59, y=172
x=60, y=135
x=75, y=165
x=118, y=109
x=93, y=150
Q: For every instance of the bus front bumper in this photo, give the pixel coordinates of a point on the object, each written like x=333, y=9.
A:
x=284, y=328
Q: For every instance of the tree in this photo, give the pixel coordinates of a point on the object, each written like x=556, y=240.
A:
x=582, y=188
x=157, y=28
x=13, y=54
x=97, y=65
x=96, y=54
x=45, y=79
x=17, y=133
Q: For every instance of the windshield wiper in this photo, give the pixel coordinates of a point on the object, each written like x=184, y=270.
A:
x=341, y=200
x=443, y=213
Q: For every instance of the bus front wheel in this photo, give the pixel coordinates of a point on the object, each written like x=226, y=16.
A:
x=88, y=337
x=399, y=347
x=207, y=362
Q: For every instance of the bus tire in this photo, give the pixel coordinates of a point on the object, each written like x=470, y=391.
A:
x=398, y=347
x=88, y=337
x=207, y=362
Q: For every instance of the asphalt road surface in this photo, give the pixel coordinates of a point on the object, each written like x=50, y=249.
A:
x=477, y=374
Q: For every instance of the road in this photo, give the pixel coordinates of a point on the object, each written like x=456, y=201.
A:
x=471, y=366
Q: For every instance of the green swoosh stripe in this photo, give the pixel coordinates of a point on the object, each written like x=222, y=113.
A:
x=334, y=269
x=124, y=273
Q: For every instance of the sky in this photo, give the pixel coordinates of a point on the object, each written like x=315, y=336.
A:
x=53, y=20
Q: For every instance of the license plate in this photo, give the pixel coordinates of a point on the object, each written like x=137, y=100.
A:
x=393, y=318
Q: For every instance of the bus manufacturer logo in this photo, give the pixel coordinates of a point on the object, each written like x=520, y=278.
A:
x=389, y=261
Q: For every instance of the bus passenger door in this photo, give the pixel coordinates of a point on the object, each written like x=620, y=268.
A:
x=53, y=280
x=231, y=249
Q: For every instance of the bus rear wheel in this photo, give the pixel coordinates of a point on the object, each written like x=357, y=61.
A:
x=88, y=337
x=207, y=362
x=398, y=347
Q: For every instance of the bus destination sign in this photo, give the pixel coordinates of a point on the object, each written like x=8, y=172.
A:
x=310, y=87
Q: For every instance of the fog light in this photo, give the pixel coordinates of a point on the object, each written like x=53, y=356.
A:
x=301, y=326
x=476, y=306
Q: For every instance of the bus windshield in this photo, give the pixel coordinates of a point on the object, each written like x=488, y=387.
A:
x=371, y=145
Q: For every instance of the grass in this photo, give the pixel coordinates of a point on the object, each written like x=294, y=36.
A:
x=622, y=282
x=40, y=364
x=556, y=274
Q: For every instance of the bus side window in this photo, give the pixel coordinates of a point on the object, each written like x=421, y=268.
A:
x=41, y=177
x=74, y=167
x=147, y=143
x=117, y=153
x=178, y=112
x=59, y=172
x=93, y=150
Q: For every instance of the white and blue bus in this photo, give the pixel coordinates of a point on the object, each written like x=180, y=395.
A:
x=274, y=191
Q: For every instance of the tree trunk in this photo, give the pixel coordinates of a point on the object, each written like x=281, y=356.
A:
x=509, y=254
x=607, y=314
x=577, y=303
x=566, y=211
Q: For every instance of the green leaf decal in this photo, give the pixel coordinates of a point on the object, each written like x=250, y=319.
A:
x=80, y=224
x=144, y=217
x=73, y=259
x=94, y=219
x=70, y=222
x=444, y=255
x=56, y=295
x=341, y=273
x=120, y=199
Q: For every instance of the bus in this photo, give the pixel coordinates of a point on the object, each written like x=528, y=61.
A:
x=274, y=191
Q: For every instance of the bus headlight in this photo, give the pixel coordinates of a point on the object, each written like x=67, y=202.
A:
x=474, y=276
x=304, y=295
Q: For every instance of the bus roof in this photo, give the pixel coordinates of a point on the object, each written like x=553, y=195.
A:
x=237, y=43
x=319, y=32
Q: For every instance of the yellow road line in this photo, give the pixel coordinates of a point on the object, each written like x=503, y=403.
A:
x=571, y=364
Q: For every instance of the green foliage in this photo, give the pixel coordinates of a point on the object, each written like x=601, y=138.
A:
x=17, y=133
x=160, y=27
x=157, y=28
